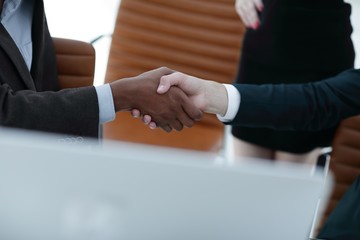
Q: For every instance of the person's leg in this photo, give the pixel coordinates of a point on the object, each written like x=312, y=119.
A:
x=245, y=149
x=309, y=157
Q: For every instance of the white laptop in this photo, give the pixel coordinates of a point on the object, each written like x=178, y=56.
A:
x=49, y=190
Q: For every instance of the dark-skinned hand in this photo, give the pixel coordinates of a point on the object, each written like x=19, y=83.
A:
x=172, y=110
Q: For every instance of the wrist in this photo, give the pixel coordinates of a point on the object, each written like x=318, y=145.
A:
x=216, y=98
x=122, y=92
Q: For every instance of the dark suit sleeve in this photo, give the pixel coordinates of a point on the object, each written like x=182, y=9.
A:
x=313, y=106
x=44, y=107
x=69, y=111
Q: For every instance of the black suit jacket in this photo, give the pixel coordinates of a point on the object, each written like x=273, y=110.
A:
x=344, y=221
x=31, y=99
x=312, y=107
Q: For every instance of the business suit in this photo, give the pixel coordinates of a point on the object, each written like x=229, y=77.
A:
x=343, y=223
x=31, y=99
x=312, y=107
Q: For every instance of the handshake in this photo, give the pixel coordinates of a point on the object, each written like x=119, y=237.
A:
x=168, y=99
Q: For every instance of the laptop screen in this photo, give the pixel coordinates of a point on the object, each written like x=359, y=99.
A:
x=51, y=190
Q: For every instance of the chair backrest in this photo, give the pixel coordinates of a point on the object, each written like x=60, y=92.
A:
x=75, y=62
x=200, y=38
x=344, y=161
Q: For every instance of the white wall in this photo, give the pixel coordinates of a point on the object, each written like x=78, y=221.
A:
x=98, y=17
x=84, y=20
x=355, y=20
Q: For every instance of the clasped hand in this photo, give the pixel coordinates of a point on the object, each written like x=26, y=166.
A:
x=204, y=95
x=170, y=110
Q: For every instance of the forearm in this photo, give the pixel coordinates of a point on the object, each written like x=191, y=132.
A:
x=312, y=107
x=70, y=111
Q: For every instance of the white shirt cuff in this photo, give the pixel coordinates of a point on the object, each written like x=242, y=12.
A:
x=234, y=100
x=106, y=103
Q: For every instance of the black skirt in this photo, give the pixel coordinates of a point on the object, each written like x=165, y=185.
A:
x=298, y=41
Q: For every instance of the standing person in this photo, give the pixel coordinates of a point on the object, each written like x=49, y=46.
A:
x=294, y=41
x=30, y=97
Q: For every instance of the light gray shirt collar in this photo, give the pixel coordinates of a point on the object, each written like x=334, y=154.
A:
x=16, y=17
x=9, y=8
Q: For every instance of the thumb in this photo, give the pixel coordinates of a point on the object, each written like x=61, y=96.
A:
x=166, y=82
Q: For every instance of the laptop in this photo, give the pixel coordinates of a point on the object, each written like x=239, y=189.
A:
x=52, y=190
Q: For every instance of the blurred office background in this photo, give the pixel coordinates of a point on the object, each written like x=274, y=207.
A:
x=85, y=20
x=88, y=19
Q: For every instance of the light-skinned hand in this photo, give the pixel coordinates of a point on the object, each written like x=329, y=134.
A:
x=248, y=12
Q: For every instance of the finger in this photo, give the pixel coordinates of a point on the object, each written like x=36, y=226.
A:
x=243, y=16
x=177, y=125
x=152, y=125
x=135, y=113
x=146, y=119
x=249, y=14
x=193, y=112
x=167, y=81
x=166, y=128
x=252, y=17
x=164, y=84
x=186, y=120
x=259, y=5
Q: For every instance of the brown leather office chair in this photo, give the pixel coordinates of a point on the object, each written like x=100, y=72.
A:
x=75, y=62
x=344, y=161
x=200, y=38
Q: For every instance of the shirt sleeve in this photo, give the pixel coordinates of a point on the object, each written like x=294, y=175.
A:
x=234, y=99
x=106, y=103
